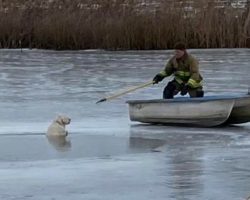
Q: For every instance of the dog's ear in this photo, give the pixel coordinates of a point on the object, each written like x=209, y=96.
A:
x=59, y=119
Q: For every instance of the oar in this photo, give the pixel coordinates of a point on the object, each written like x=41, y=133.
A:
x=125, y=91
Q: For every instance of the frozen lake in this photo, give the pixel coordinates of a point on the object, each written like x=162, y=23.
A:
x=106, y=156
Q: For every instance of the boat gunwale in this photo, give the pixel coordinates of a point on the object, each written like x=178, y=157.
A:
x=190, y=100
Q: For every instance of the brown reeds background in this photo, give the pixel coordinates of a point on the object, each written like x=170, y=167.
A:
x=123, y=24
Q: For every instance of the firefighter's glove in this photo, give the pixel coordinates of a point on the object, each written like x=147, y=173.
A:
x=158, y=78
x=184, y=89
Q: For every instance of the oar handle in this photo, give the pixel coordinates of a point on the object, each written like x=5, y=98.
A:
x=126, y=91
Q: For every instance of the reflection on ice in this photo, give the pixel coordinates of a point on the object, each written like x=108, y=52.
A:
x=197, y=160
x=145, y=143
x=60, y=143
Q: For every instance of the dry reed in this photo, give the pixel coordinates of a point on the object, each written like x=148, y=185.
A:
x=123, y=24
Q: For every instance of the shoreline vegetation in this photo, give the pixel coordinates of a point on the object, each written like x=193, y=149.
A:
x=124, y=24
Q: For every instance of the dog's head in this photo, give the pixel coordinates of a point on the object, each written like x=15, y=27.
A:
x=63, y=120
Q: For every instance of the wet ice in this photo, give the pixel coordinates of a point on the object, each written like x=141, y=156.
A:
x=107, y=156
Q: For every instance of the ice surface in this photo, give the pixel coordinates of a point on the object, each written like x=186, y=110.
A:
x=106, y=156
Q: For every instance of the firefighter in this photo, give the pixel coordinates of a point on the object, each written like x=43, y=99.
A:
x=187, y=78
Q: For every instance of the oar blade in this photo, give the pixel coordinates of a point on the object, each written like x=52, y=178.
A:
x=101, y=100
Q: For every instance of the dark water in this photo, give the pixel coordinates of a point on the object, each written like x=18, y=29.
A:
x=106, y=156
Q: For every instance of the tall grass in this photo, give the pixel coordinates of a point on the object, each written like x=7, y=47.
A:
x=122, y=24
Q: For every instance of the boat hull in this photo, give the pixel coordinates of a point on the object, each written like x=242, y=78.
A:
x=192, y=112
x=241, y=111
